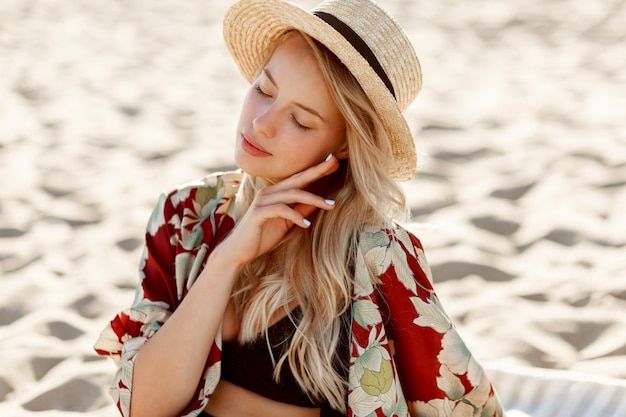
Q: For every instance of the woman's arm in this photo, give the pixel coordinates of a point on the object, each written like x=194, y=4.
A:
x=168, y=367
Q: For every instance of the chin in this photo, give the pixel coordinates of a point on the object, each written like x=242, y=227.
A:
x=251, y=170
x=262, y=168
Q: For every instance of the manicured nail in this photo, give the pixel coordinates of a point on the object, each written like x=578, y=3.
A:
x=307, y=222
x=330, y=202
x=330, y=155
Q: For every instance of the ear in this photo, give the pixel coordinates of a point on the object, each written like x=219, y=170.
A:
x=343, y=152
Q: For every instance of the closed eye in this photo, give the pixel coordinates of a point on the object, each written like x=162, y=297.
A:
x=298, y=124
x=261, y=92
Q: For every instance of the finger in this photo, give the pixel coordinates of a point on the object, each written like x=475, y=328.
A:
x=305, y=210
x=283, y=211
x=291, y=196
x=309, y=175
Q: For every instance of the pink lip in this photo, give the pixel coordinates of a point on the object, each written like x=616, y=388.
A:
x=252, y=147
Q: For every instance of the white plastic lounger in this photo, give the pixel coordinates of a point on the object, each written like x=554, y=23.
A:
x=537, y=392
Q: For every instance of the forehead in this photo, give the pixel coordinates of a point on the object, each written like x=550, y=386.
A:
x=293, y=66
x=293, y=47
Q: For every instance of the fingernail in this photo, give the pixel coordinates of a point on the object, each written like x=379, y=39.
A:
x=307, y=222
x=330, y=202
x=330, y=155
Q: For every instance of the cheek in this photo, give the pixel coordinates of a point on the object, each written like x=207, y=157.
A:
x=314, y=150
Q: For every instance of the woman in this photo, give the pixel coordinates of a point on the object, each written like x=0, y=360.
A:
x=286, y=288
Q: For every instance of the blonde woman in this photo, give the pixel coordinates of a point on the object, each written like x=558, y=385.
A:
x=287, y=288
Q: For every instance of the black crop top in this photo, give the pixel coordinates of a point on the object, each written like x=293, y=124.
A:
x=250, y=365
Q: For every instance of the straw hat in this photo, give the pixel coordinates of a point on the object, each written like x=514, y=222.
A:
x=369, y=42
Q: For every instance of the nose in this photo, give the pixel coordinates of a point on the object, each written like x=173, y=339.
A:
x=264, y=123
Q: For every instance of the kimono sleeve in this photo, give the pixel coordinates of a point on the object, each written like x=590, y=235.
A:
x=154, y=301
x=438, y=374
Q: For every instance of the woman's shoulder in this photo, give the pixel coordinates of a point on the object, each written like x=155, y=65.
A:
x=393, y=244
x=212, y=188
x=213, y=185
x=195, y=199
x=384, y=235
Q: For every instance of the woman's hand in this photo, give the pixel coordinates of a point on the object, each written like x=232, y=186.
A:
x=274, y=211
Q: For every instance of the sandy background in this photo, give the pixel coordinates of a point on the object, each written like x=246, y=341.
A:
x=520, y=199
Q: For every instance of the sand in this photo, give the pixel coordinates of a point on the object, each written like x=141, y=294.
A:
x=520, y=200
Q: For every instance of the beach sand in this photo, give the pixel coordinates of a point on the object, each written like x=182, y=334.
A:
x=520, y=199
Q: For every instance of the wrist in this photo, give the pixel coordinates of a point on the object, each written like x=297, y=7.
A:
x=226, y=265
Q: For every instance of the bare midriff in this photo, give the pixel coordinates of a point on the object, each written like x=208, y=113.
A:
x=230, y=400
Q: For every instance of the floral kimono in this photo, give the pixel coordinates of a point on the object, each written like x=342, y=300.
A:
x=406, y=357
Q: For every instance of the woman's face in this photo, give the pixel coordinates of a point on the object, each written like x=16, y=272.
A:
x=289, y=121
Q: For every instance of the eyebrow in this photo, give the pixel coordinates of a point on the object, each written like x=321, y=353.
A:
x=268, y=74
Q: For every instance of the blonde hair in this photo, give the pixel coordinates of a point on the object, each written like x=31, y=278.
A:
x=312, y=267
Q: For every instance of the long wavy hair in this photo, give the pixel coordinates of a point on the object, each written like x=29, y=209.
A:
x=312, y=267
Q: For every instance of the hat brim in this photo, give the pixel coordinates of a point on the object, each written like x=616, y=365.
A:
x=252, y=26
